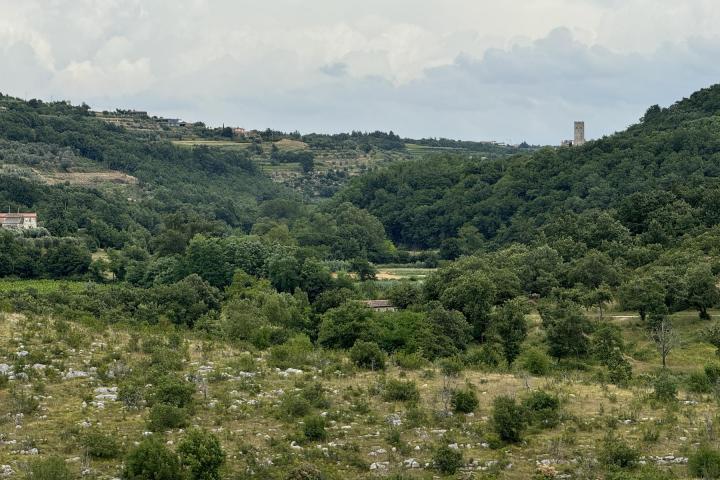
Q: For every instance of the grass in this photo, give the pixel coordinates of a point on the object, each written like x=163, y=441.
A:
x=243, y=412
x=41, y=286
x=402, y=273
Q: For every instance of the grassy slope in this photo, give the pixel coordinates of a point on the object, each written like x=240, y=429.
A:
x=353, y=432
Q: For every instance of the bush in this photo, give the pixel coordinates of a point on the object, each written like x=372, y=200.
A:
x=164, y=416
x=201, y=455
x=293, y=353
x=294, y=406
x=367, y=355
x=712, y=372
x=451, y=367
x=488, y=355
x=151, y=460
x=665, y=387
x=698, y=382
x=410, y=361
x=400, y=391
x=305, y=472
x=314, y=428
x=508, y=419
x=542, y=408
x=51, y=468
x=704, y=463
x=464, y=401
x=174, y=391
x=535, y=361
x=99, y=445
x=447, y=460
x=617, y=453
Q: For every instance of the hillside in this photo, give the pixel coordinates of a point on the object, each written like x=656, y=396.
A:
x=659, y=179
x=179, y=315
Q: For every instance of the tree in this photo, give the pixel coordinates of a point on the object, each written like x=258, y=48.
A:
x=508, y=419
x=364, y=269
x=510, y=326
x=201, y=455
x=702, y=289
x=151, y=460
x=567, y=330
x=644, y=294
x=598, y=297
x=663, y=335
x=341, y=327
x=473, y=294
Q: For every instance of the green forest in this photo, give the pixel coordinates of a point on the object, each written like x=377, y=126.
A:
x=578, y=270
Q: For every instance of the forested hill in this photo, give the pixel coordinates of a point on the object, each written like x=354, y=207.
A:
x=658, y=179
x=57, y=143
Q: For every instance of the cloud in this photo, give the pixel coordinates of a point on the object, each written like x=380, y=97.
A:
x=477, y=69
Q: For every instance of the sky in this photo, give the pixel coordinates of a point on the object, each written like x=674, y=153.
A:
x=504, y=70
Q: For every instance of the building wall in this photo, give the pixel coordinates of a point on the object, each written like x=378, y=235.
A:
x=579, y=133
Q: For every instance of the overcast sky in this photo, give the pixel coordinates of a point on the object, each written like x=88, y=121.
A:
x=506, y=70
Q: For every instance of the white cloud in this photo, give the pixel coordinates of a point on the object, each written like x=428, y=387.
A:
x=507, y=70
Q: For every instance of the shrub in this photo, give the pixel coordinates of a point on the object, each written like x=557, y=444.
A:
x=698, y=382
x=704, y=463
x=464, y=401
x=314, y=428
x=99, y=445
x=488, y=355
x=367, y=355
x=201, y=455
x=293, y=353
x=51, y=468
x=447, y=460
x=164, y=416
x=410, y=361
x=305, y=472
x=294, y=406
x=542, y=408
x=508, y=419
x=151, y=460
x=665, y=387
x=131, y=393
x=314, y=393
x=173, y=390
x=535, y=361
x=617, y=453
x=451, y=367
x=400, y=391
x=712, y=372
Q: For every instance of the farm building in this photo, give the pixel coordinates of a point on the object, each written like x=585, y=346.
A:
x=380, y=305
x=18, y=221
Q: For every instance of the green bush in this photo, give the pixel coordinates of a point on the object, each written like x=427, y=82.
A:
x=617, y=453
x=294, y=406
x=535, y=361
x=410, y=361
x=51, y=468
x=487, y=355
x=704, y=462
x=294, y=353
x=543, y=409
x=201, y=455
x=665, y=387
x=698, y=382
x=400, y=391
x=447, y=460
x=712, y=372
x=164, y=416
x=451, y=367
x=151, y=460
x=464, y=401
x=314, y=428
x=173, y=390
x=367, y=355
x=508, y=419
x=99, y=445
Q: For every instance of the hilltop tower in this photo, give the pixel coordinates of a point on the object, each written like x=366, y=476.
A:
x=579, y=134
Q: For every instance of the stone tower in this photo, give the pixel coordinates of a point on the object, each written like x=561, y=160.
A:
x=579, y=134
